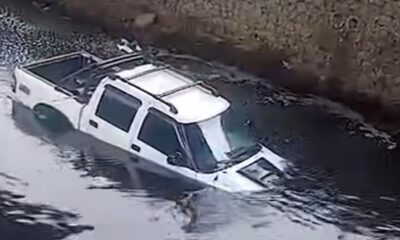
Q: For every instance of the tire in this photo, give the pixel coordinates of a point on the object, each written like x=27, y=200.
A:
x=52, y=119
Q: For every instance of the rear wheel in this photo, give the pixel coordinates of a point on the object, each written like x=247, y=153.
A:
x=52, y=119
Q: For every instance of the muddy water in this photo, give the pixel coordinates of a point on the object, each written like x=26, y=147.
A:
x=344, y=179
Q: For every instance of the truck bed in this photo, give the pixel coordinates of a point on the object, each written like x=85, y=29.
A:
x=54, y=70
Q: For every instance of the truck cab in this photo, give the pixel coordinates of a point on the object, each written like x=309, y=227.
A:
x=154, y=112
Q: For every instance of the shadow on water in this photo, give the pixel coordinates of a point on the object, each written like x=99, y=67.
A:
x=19, y=220
x=345, y=172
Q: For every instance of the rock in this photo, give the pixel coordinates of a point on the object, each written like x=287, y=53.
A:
x=145, y=20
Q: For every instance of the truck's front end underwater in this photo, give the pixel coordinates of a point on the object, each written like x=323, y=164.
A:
x=226, y=155
x=154, y=112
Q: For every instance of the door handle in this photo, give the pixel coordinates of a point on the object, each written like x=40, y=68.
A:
x=135, y=147
x=93, y=124
x=134, y=159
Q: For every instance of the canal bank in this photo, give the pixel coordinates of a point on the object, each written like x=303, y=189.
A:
x=346, y=51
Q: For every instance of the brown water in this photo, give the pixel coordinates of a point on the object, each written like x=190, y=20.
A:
x=344, y=185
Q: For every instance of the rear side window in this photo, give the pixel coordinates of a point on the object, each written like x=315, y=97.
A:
x=160, y=134
x=117, y=108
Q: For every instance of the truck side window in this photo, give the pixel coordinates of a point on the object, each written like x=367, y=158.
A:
x=160, y=134
x=117, y=108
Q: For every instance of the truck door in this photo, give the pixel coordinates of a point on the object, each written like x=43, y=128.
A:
x=159, y=140
x=111, y=116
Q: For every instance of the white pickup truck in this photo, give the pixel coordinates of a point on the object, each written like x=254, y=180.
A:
x=154, y=112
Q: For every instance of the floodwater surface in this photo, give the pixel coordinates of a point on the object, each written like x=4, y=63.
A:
x=344, y=181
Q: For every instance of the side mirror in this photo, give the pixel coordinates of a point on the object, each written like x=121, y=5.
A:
x=177, y=159
x=249, y=123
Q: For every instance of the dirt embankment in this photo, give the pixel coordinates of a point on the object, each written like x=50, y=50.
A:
x=346, y=49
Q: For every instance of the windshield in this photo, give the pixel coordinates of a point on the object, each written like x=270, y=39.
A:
x=220, y=140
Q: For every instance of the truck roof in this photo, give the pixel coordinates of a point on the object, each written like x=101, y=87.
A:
x=194, y=104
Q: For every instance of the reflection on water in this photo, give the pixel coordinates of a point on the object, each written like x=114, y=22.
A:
x=343, y=186
x=21, y=220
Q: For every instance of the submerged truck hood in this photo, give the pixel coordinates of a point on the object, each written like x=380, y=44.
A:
x=253, y=174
